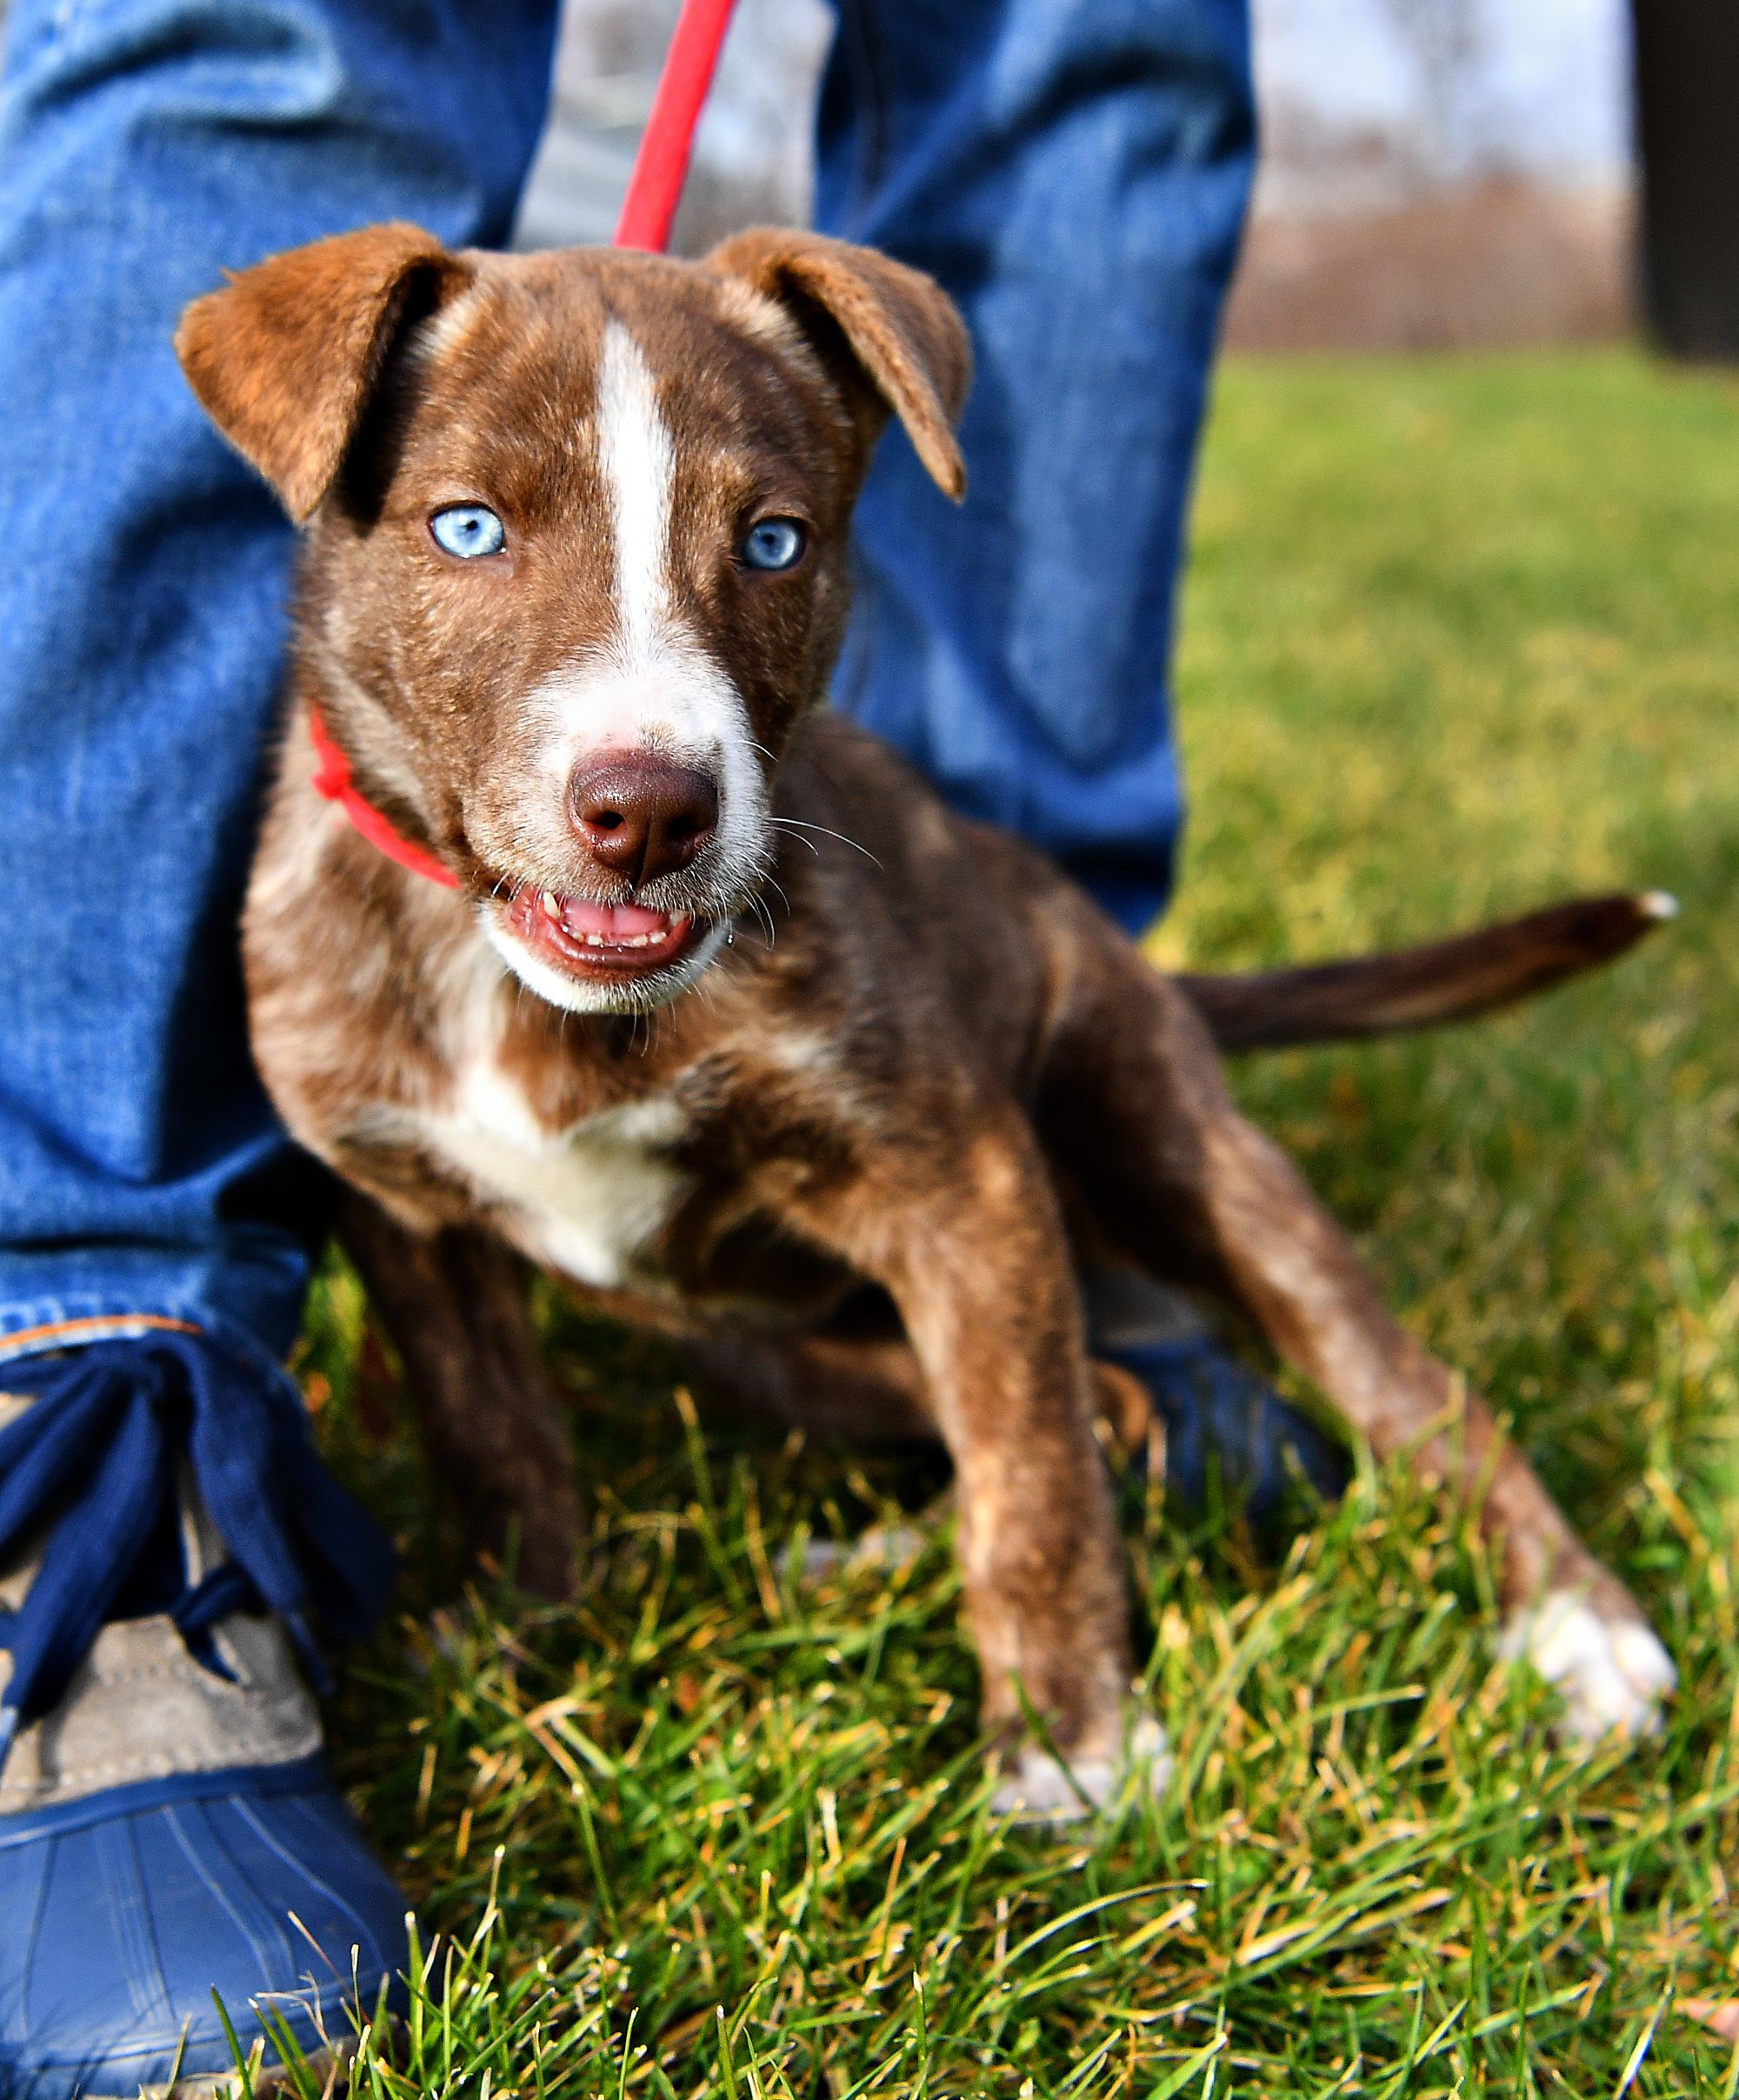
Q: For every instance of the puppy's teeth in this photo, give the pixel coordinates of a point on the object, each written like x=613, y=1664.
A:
x=552, y=905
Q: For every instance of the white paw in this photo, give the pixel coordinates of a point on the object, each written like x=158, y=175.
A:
x=881, y=1546
x=1042, y=1788
x=1612, y=1673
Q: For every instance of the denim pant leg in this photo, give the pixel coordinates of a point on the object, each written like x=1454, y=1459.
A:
x=1077, y=176
x=145, y=145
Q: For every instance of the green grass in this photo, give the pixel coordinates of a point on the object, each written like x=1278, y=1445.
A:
x=1457, y=637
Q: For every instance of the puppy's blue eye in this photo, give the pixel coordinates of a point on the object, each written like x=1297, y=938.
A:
x=776, y=543
x=467, y=530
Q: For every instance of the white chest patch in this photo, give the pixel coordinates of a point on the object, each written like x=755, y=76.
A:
x=585, y=1201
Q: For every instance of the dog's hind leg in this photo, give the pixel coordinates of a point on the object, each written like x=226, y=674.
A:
x=863, y=1389
x=869, y=1390
x=455, y=1305
x=1132, y=1104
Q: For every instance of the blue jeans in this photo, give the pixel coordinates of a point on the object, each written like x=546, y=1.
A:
x=1075, y=174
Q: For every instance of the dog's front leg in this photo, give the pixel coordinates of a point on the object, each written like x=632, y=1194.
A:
x=968, y=1240
x=455, y=1305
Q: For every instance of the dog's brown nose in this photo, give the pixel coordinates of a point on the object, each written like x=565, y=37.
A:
x=642, y=816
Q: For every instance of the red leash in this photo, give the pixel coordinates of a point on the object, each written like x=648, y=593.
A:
x=668, y=138
x=653, y=189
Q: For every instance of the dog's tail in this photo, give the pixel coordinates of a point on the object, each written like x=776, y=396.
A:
x=1408, y=987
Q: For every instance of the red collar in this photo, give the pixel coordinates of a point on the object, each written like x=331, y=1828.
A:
x=332, y=779
x=647, y=211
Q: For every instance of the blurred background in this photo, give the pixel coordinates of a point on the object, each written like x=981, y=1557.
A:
x=1436, y=174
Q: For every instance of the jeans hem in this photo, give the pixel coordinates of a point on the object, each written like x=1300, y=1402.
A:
x=43, y=1325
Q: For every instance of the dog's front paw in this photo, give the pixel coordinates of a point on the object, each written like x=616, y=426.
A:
x=1612, y=1671
x=1041, y=1787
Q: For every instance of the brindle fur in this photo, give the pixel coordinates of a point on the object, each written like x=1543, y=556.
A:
x=892, y=1112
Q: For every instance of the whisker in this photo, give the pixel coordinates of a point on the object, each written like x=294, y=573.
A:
x=780, y=823
x=791, y=823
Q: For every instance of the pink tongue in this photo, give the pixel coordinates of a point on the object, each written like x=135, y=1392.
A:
x=611, y=922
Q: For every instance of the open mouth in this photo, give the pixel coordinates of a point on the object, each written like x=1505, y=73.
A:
x=614, y=941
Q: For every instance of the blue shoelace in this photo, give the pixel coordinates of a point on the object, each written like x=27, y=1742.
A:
x=96, y=1461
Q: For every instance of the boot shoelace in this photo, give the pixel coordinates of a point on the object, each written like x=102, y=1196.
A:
x=96, y=1462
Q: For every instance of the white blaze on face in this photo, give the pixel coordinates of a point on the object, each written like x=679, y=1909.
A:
x=639, y=464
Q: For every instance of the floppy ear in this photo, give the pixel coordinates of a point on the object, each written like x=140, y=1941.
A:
x=890, y=333
x=284, y=358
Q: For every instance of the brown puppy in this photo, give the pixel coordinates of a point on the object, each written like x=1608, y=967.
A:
x=574, y=581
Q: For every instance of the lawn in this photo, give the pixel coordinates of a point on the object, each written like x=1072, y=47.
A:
x=1458, y=637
